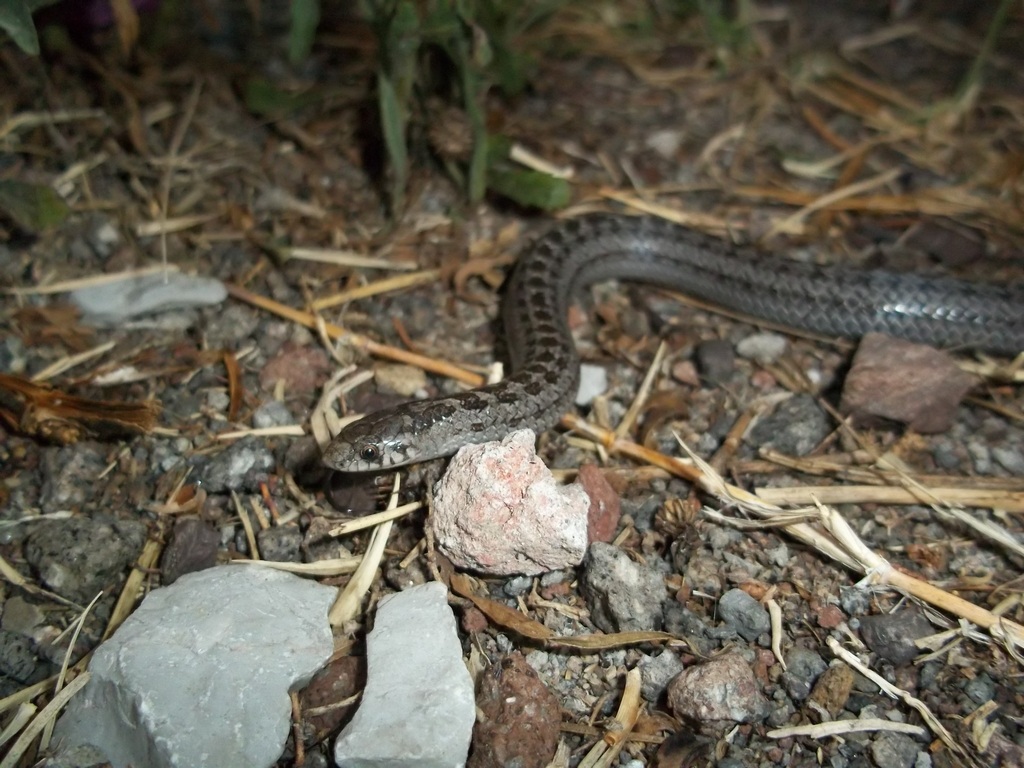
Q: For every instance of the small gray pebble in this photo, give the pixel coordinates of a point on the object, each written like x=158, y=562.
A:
x=762, y=347
x=280, y=543
x=894, y=750
x=1010, y=459
x=744, y=614
x=716, y=359
x=517, y=585
x=272, y=413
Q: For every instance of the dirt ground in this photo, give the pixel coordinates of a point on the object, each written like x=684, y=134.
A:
x=831, y=132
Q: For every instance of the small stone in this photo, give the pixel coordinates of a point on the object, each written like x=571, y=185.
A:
x=18, y=659
x=280, y=543
x=397, y=379
x=64, y=472
x=473, y=620
x=900, y=381
x=744, y=614
x=272, y=413
x=192, y=547
x=704, y=574
x=605, y=505
x=763, y=348
x=830, y=617
x=685, y=372
x=1010, y=459
x=622, y=594
x=417, y=707
x=832, y=689
x=666, y=142
x=795, y=428
x=656, y=672
x=21, y=616
x=339, y=681
x=593, y=383
x=892, y=635
x=980, y=689
x=301, y=369
x=894, y=750
x=716, y=360
x=854, y=601
x=803, y=666
x=723, y=689
x=242, y=466
x=499, y=510
x=517, y=585
x=518, y=718
x=121, y=300
x=79, y=557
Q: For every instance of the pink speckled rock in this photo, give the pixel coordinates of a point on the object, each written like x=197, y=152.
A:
x=498, y=510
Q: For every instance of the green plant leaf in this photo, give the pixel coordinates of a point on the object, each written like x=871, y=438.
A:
x=402, y=42
x=16, y=21
x=263, y=97
x=392, y=120
x=530, y=188
x=305, y=18
x=33, y=207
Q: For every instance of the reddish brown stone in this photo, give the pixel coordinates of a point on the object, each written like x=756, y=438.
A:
x=897, y=380
x=830, y=617
x=338, y=681
x=832, y=689
x=605, y=506
x=303, y=369
x=518, y=718
x=720, y=691
x=473, y=620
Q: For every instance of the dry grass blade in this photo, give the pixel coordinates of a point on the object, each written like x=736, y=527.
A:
x=338, y=566
x=344, y=258
x=839, y=727
x=357, y=340
x=66, y=286
x=368, y=521
x=838, y=542
x=898, y=693
x=129, y=595
x=397, y=283
x=606, y=752
x=45, y=716
x=347, y=606
x=1008, y=501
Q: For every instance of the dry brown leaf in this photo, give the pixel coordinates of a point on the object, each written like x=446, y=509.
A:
x=509, y=618
x=45, y=412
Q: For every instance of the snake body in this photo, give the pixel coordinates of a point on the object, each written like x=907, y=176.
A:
x=827, y=300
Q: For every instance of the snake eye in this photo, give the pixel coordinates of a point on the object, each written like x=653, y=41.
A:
x=369, y=453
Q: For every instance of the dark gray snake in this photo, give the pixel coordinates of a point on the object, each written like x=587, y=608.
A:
x=827, y=300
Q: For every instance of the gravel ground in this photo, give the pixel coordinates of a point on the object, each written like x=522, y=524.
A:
x=650, y=111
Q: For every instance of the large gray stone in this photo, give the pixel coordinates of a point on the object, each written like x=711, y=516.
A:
x=199, y=675
x=418, y=707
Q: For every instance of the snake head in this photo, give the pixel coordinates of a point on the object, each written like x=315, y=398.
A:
x=372, y=444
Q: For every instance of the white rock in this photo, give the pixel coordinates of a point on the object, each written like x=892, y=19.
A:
x=499, y=510
x=763, y=348
x=418, y=707
x=666, y=142
x=593, y=382
x=199, y=675
x=145, y=295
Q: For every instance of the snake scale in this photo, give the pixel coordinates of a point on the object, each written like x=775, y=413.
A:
x=827, y=300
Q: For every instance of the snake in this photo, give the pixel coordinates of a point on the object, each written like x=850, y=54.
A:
x=836, y=301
